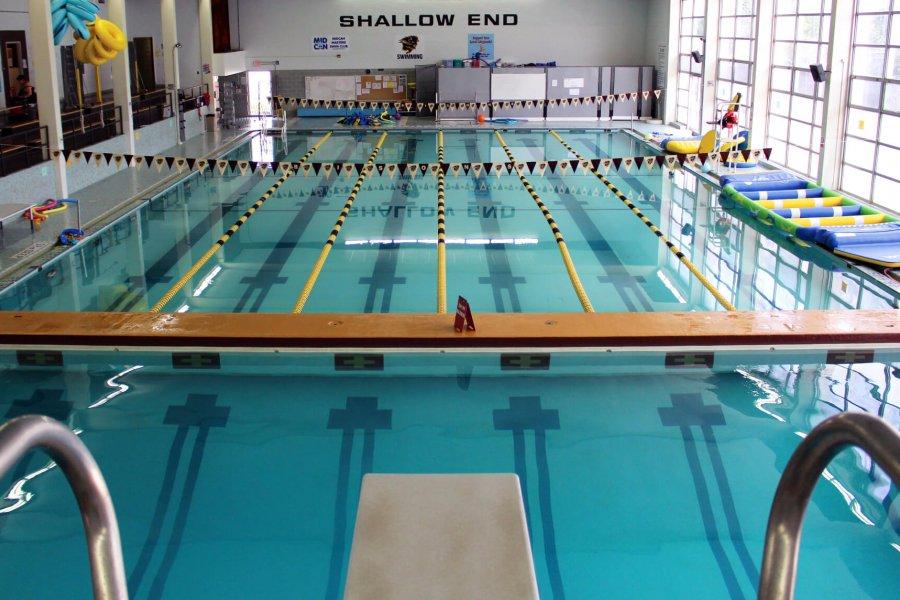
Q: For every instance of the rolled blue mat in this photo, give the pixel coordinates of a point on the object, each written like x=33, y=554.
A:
x=817, y=212
x=770, y=186
x=786, y=194
x=757, y=178
x=861, y=235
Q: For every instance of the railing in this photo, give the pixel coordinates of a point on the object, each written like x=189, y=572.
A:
x=151, y=107
x=82, y=128
x=19, y=436
x=22, y=146
x=189, y=97
x=873, y=435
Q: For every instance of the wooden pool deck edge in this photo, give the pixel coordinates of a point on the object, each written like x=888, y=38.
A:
x=551, y=330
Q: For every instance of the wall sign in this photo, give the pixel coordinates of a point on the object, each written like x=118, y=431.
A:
x=429, y=20
x=483, y=45
x=410, y=48
x=330, y=43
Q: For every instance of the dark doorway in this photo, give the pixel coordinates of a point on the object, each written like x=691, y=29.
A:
x=144, y=73
x=14, y=59
x=221, y=26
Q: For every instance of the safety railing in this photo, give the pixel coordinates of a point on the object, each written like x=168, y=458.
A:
x=19, y=436
x=82, y=128
x=22, y=147
x=873, y=435
x=148, y=108
x=190, y=97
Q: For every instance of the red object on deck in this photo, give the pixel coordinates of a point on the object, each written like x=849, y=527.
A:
x=464, y=318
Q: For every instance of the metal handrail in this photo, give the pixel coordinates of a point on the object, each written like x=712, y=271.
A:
x=22, y=434
x=872, y=434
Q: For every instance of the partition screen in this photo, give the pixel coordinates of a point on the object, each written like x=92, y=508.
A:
x=872, y=150
x=794, y=130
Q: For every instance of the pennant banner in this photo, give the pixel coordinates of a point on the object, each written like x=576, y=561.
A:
x=626, y=164
x=430, y=107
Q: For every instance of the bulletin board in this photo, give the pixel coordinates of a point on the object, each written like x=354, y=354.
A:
x=382, y=87
x=331, y=87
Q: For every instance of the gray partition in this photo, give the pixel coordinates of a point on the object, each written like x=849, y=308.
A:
x=462, y=85
x=426, y=86
x=648, y=82
x=606, y=77
x=572, y=82
x=625, y=80
x=535, y=112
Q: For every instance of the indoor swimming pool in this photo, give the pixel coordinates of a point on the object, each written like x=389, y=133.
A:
x=500, y=253
x=639, y=480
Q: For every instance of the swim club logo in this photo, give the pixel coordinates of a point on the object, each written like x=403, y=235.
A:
x=409, y=44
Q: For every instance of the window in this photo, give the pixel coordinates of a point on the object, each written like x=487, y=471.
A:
x=737, y=46
x=800, y=39
x=689, y=96
x=872, y=150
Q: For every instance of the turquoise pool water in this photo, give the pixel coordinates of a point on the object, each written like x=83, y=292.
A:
x=501, y=254
x=640, y=481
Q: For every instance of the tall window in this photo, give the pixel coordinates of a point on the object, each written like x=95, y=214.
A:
x=690, y=73
x=801, y=34
x=737, y=37
x=872, y=150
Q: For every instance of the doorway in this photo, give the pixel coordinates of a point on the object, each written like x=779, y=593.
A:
x=13, y=62
x=259, y=84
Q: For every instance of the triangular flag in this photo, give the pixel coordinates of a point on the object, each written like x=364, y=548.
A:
x=657, y=93
x=767, y=152
x=606, y=163
x=222, y=165
x=391, y=170
x=181, y=163
x=243, y=165
x=201, y=165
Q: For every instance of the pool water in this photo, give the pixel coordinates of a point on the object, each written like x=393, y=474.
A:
x=501, y=255
x=640, y=481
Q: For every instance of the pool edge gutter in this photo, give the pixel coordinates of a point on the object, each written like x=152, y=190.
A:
x=538, y=330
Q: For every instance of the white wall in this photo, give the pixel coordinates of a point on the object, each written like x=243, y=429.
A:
x=573, y=32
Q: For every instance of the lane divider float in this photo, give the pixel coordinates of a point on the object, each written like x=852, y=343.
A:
x=167, y=297
x=656, y=230
x=329, y=243
x=560, y=242
x=441, y=233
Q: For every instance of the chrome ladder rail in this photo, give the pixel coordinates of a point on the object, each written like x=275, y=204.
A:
x=872, y=434
x=22, y=434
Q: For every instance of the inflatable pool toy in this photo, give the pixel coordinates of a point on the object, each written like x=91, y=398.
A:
x=96, y=40
x=72, y=13
x=367, y=119
x=70, y=236
x=40, y=213
x=818, y=215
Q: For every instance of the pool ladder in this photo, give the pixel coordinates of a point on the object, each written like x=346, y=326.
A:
x=779, y=569
x=22, y=434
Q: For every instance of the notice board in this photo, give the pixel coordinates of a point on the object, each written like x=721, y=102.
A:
x=382, y=87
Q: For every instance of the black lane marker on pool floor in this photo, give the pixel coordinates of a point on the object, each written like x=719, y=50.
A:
x=384, y=273
x=200, y=411
x=688, y=411
x=525, y=414
x=363, y=414
x=501, y=277
x=268, y=275
x=617, y=272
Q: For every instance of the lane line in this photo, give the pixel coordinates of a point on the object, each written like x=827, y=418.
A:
x=329, y=243
x=560, y=242
x=167, y=297
x=656, y=230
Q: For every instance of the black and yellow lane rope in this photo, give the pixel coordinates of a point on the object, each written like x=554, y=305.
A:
x=441, y=239
x=560, y=242
x=329, y=243
x=167, y=297
x=656, y=230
